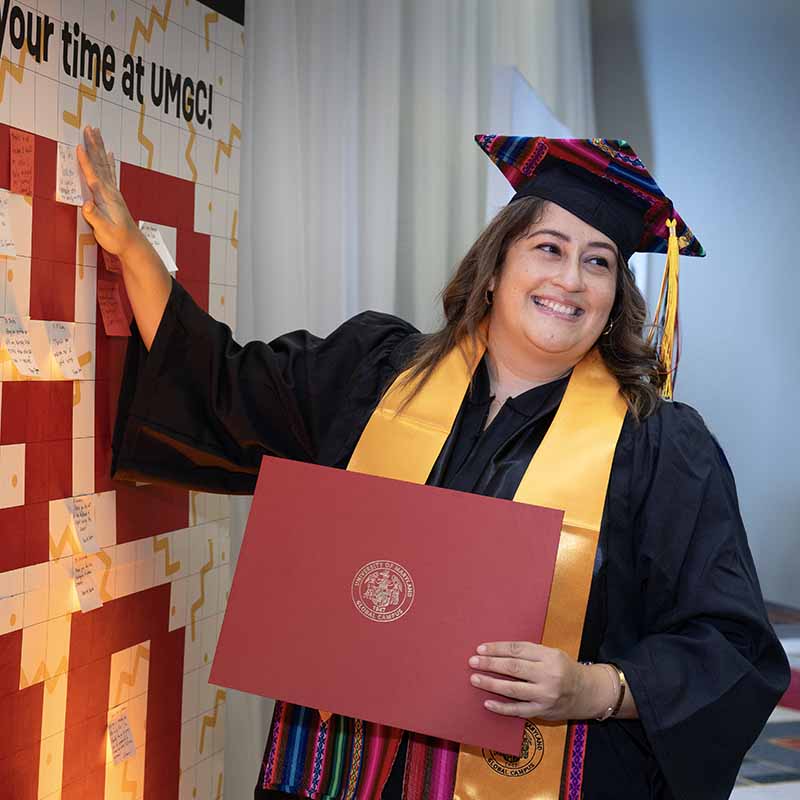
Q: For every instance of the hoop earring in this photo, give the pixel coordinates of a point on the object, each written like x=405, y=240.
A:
x=608, y=329
x=488, y=296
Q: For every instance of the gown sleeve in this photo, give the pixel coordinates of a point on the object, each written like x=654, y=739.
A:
x=707, y=668
x=199, y=410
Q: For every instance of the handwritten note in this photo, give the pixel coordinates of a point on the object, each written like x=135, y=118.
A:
x=153, y=235
x=119, y=732
x=83, y=522
x=22, y=153
x=17, y=342
x=83, y=572
x=70, y=186
x=7, y=246
x=108, y=298
x=62, y=347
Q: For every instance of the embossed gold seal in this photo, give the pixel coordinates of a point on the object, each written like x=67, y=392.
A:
x=383, y=591
x=529, y=758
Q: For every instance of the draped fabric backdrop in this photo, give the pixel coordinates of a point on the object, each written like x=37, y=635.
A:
x=361, y=184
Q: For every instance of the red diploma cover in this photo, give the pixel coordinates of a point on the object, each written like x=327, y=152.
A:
x=365, y=596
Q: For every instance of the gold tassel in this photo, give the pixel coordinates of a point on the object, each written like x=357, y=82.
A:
x=666, y=313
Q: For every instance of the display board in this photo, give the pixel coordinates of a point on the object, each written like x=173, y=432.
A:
x=111, y=595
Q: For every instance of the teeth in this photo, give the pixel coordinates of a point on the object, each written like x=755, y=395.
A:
x=559, y=307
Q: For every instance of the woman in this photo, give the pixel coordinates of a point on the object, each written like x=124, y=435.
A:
x=685, y=666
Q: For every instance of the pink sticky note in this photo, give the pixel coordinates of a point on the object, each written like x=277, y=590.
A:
x=22, y=149
x=108, y=298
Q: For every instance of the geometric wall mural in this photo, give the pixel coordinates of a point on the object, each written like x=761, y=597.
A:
x=156, y=557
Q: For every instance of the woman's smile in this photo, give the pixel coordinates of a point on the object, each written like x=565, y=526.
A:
x=556, y=308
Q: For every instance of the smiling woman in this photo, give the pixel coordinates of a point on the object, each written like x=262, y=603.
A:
x=539, y=388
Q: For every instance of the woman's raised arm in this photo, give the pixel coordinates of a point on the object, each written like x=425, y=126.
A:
x=147, y=281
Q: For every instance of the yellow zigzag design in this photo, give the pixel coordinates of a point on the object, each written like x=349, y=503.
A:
x=210, y=19
x=42, y=674
x=84, y=240
x=66, y=538
x=144, y=141
x=218, y=795
x=198, y=604
x=76, y=119
x=127, y=786
x=234, y=240
x=170, y=567
x=76, y=393
x=105, y=595
x=188, y=153
x=226, y=148
x=85, y=358
x=147, y=31
x=210, y=720
x=129, y=678
x=16, y=72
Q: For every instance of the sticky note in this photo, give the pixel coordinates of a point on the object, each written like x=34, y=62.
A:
x=7, y=246
x=83, y=573
x=70, y=186
x=153, y=235
x=17, y=342
x=83, y=522
x=119, y=732
x=62, y=348
x=22, y=152
x=108, y=298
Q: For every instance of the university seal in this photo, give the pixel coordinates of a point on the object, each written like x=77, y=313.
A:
x=529, y=758
x=383, y=591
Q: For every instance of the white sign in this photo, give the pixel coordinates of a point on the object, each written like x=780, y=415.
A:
x=62, y=346
x=153, y=235
x=18, y=344
x=88, y=594
x=70, y=186
x=7, y=246
x=119, y=732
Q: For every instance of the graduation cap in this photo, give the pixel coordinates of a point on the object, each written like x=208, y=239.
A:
x=604, y=183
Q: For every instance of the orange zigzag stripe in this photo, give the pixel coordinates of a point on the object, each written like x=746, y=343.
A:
x=17, y=72
x=129, y=678
x=218, y=795
x=147, y=31
x=226, y=148
x=234, y=240
x=66, y=538
x=198, y=604
x=105, y=595
x=188, y=153
x=42, y=674
x=170, y=567
x=144, y=141
x=209, y=20
x=76, y=119
x=210, y=720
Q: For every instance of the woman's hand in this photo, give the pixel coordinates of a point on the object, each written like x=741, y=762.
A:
x=543, y=682
x=106, y=212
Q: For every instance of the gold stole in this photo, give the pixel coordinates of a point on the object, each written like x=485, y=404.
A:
x=569, y=471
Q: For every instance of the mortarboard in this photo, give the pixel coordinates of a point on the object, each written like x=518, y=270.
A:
x=604, y=183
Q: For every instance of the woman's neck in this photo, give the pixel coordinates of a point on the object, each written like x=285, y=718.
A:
x=511, y=375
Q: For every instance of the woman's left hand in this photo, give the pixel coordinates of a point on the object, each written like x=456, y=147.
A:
x=544, y=682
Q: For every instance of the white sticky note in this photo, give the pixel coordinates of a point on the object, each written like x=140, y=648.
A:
x=70, y=186
x=17, y=342
x=153, y=235
x=88, y=594
x=62, y=346
x=119, y=732
x=7, y=246
x=81, y=510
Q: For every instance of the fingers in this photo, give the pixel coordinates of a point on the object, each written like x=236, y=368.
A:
x=86, y=165
x=526, y=650
x=516, y=690
x=112, y=166
x=96, y=152
x=515, y=667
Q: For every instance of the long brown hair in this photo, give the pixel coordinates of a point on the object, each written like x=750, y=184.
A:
x=629, y=358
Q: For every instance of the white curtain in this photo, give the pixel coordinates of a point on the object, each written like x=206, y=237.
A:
x=361, y=183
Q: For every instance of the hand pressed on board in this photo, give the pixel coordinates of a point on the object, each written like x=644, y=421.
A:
x=106, y=212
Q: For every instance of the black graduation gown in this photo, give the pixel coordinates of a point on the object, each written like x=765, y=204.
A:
x=675, y=600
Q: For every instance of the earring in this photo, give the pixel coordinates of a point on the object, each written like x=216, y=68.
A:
x=608, y=329
x=488, y=296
